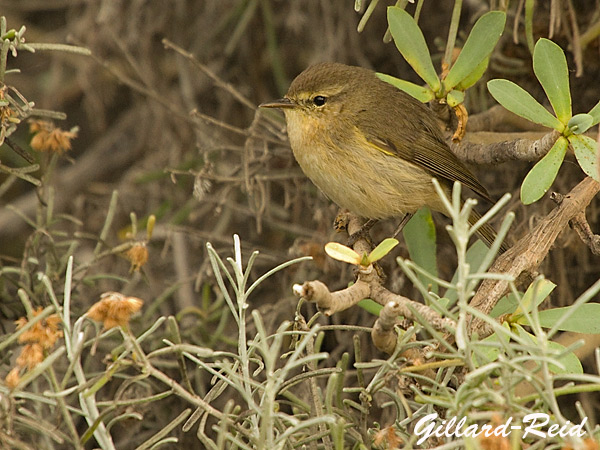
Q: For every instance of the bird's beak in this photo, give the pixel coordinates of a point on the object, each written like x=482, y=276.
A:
x=281, y=103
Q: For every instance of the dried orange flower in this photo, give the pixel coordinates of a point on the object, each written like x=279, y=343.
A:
x=114, y=309
x=31, y=355
x=494, y=442
x=387, y=438
x=137, y=256
x=13, y=378
x=39, y=338
x=44, y=332
x=49, y=138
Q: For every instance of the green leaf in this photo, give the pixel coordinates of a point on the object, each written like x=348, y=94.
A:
x=570, y=362
x=506, y=305
x=490, y=347
x=580, y=123
x=550, y=67
x=455, y=97
x=540, y=178
x=583, y=320
x=370, y=306
x=342, y=253
x=410, y=42
x=420, y=238
x=586, y=152
x=421, y=93
x=519, y=101
x=382, y=249
x=536, y=293
x=474, y=76
x=595, y=113
x=479, y=45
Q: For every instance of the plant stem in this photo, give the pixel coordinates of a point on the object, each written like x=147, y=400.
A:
x=452, y=32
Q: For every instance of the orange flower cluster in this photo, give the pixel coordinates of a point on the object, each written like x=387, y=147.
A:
x=137, y=256
x=38, y=339
x=387, y=438
x=114, y=309
x=48, y=138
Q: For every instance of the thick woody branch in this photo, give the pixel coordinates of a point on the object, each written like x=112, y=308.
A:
x=367, y=285
x=385, y=337
x=383, y=334
x=332, y=302
x=496, y=148
x=410, y=308
x=520, y=262
x=523, y=259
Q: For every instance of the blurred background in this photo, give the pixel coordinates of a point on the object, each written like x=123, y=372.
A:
x=180, y=137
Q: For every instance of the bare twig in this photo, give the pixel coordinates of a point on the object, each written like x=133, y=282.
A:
x=582, y=227
x=19, y=150
x=575, y=39
x=384, y=335
x=218, y=81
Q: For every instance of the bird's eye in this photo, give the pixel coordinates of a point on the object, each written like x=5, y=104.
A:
x=319, y=100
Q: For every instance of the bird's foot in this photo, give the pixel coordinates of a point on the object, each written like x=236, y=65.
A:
x=363, y=233
x=402, y=223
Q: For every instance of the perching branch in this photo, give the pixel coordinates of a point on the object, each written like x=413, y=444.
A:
x=487, y=148
x=519, y=262
x=484, y=143
x=367, y=285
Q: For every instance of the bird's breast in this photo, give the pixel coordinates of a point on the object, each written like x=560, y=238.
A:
x=354, y=175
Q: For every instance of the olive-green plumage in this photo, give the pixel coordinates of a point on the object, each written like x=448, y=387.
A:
x=368, y=146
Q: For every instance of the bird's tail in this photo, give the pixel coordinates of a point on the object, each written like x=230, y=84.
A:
x=486, y=232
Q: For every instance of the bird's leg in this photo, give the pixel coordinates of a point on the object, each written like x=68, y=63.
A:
x=402, y=223
x=363, y=233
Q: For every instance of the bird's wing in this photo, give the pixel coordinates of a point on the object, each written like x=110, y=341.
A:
x=416, y=140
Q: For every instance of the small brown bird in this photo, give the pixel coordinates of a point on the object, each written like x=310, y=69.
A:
x=370, y=147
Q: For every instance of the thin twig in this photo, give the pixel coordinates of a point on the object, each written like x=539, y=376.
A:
x=218, y=81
